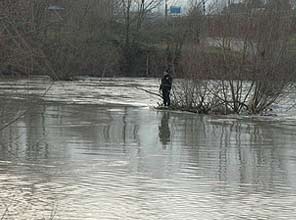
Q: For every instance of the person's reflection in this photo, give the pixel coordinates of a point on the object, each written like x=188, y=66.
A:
x=164, y=130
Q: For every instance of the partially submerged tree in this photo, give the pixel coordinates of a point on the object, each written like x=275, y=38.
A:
x=246, y=59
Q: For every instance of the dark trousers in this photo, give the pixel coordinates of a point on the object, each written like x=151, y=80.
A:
x=166, y=97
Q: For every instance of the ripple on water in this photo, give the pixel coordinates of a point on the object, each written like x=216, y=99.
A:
x=120, y=162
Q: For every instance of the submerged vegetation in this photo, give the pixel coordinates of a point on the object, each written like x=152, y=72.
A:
x=231, y=57
x=251, y=67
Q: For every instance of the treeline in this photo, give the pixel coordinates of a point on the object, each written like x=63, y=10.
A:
x=85, y=37
x=246, y=65
x=134, y=38
x=232, y=56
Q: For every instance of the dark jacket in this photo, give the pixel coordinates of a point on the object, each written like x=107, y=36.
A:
x=166, y=82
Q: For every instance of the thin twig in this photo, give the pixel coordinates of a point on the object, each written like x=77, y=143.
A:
x=150, y=92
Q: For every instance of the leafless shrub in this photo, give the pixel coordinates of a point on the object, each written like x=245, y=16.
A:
x=244, y=63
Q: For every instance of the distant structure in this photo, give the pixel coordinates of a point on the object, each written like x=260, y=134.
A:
x=175, y=10
x=204, y=6
x=55, y=8
x=56, y=12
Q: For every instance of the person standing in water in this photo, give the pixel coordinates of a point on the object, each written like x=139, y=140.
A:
x=165, y=88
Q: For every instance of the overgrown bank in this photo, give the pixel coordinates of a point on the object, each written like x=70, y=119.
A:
x=97, y=38
x=232, y=59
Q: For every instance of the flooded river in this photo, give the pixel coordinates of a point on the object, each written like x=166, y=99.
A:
x=95, y=149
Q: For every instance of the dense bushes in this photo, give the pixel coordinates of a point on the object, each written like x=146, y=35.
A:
x=231, y=61
x=97, y=38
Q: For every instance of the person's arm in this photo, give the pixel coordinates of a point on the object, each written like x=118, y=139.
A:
x=161, y=85
x=171, y=82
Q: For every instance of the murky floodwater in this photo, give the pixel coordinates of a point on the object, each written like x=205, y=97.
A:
x=112, y=157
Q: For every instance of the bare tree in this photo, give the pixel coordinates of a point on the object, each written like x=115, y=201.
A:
x=133, y=14
x=247, y=59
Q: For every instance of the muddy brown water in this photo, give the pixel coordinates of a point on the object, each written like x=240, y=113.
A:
x=114, y=157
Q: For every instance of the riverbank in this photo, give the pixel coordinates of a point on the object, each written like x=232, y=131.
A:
x=108, y=91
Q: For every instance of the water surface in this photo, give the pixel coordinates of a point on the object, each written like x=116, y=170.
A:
x=94, y=160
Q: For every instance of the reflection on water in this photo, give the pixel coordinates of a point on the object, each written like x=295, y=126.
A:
x=92, y=162
x=164, y=130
